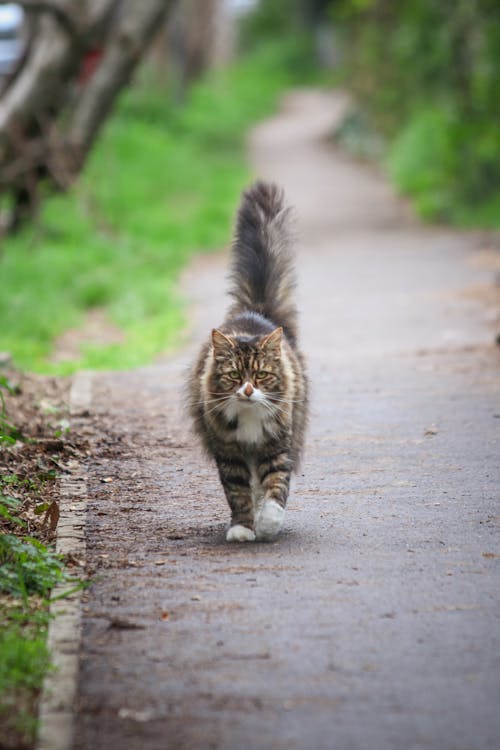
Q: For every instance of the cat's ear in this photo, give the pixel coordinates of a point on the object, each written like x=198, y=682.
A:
x=221, y=342
x=272, y=342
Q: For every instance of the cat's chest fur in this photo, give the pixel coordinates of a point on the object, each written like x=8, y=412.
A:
x=251, y=424
x=250, y=427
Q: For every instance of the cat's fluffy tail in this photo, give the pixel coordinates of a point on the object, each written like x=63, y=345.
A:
x=262, y=274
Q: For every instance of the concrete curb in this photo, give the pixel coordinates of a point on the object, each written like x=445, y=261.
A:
x=57, y=702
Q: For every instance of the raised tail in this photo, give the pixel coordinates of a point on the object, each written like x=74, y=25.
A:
x=262, y=273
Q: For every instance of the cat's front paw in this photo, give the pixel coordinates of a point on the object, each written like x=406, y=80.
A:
x=269, y=521
x=239, y=533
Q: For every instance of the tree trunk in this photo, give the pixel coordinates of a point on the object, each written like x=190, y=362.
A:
x=190, y=41
x=52, y=112
x=52, y=62
x=129, y=41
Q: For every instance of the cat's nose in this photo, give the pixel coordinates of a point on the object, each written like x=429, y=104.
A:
x=248, y=390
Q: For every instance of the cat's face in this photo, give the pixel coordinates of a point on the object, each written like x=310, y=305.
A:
x=247, y=371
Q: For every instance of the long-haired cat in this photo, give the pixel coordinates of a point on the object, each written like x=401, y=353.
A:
x=248, y=389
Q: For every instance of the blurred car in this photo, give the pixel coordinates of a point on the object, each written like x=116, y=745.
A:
x=12, y=42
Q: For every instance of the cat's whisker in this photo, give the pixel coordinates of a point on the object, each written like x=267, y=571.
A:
x=277, y=397
x=286, y=401
x=210, y=407
x=279, y=410
x=213, y=408
x=213, y=400
x=273, y=408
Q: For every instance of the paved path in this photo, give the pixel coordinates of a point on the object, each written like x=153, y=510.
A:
x=373, y=622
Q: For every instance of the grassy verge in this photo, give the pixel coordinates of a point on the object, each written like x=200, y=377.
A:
x=24, y=659
x=34, y=446
x=29, y=569
x=162, y=183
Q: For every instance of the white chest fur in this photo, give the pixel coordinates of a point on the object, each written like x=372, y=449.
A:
x=250, y=425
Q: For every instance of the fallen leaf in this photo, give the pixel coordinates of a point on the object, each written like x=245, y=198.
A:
x=51, y=517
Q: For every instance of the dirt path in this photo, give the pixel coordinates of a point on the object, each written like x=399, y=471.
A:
x=373, y=621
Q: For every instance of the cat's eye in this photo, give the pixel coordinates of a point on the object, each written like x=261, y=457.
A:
x=262, y=375
x=234, y=374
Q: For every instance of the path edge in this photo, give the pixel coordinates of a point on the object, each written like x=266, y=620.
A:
x=58, y=697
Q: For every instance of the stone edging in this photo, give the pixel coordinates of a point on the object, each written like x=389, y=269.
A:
x=57, y=702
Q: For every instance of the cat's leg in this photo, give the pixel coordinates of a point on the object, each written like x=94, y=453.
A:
x=274, y=474
x=235, y=479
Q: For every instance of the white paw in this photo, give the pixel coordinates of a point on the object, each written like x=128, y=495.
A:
x=269, y=521
x=239, y=533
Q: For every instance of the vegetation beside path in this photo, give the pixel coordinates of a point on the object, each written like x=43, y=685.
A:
x=36, y=445
x=426, y=80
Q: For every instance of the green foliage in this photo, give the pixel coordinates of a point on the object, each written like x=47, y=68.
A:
x=8, y=432
x=428, y=73
x=271, y=20
x=290, y=22
x=8, y=507
x=423, y=160
x=28, y=567
x=28, y=572
x=162, y=183
x=24, y=660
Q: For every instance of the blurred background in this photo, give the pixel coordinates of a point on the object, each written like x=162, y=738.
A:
x=122, y=144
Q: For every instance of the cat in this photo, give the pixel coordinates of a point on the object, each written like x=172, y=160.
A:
x=248, y=390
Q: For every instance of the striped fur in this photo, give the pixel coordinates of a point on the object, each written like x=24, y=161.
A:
x=248, y=389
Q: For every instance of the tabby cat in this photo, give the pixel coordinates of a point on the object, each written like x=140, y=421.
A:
x=248, y=389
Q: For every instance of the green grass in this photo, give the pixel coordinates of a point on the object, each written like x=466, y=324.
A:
x=162, y=183
x=29, y=569
x=28, y=566
x=28, y=572
x=24, y=660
